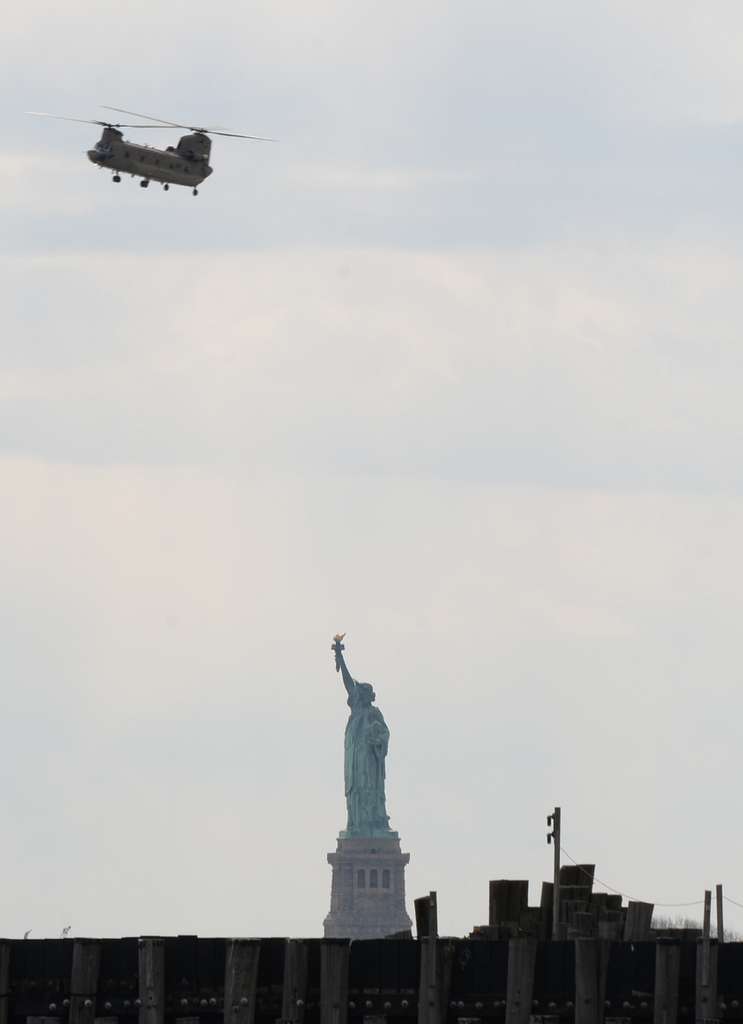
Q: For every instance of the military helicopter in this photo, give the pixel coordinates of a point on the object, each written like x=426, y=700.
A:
x=185, y=164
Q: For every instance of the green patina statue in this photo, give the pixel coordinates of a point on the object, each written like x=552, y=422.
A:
x=367, y=738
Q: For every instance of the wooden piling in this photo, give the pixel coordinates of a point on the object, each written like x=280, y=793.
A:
x=638, y=921
x=241, y=980
x=591, y=967
x=706, y=978
x=294, y=990
x=426, y=916
x=334, y=962
x=86, y=963
x=508, y=901
x=522, y=958
x=151, y=980
x=429, y=989
x=4, y=981
x=706, y=925
x=667, y=973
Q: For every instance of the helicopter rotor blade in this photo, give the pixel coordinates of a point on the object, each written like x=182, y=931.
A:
x=189, y=127
x=234, y=135
x=132, y=113
x=60, y=117
x=84, y=120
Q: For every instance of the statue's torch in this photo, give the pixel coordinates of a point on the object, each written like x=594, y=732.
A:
x=337, y=648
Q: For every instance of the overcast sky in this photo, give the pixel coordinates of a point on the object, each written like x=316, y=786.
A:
x=454, y=366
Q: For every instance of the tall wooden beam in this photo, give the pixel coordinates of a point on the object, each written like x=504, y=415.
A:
x=667, y=974
x=720, y=924
x=706, y=926
x=86, y=964
x=429, y=987
x=241, y=980
x=4, y=981
x=706, y=978
x=335, y=956
x=591, y=968
x=294, y=990
x=522, y=958
x=151, y=980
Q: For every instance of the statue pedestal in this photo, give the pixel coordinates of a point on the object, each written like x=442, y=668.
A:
x=367, y=896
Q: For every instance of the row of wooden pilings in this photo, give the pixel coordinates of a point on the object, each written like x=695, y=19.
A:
x=436, y=963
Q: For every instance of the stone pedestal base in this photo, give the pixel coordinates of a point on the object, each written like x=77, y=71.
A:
x=367, y=897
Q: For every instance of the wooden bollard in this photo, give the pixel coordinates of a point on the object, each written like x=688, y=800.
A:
x=151, y=981
x=4, y=981
x=294, y=990
x=522, y=958
x=706, y=987
x=667, y=973
x=591, y=968
x=335, y=955
x=86, y=963
x=241, y=980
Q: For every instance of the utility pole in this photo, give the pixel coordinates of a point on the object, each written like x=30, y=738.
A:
x=720, y=927
x=553, y=837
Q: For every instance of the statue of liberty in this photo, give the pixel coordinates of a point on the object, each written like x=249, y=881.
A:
x=367, y=738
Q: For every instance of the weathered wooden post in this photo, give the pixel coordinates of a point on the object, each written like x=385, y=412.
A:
x=638, y=921
x=4, y=981
x=667, y=973
x=436, y=963
x=508, y=900
x=151, y=980
x=86, y=962
x=522, y=958
x=706, y=978
x=294, y=989
x=427, y=928
x=334, y=963
x=241, y=980
x=720, y=925
x=591, y=965
x=426, y=916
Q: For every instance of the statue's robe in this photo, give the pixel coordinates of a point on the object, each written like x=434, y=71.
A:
x=367, y=739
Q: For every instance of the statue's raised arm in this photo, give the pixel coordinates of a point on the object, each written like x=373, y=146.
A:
x=340, y=663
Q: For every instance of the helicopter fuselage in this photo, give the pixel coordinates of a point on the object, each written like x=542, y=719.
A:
x=185, y=164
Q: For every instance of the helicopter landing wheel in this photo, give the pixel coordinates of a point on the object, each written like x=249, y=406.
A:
x=117, y=178
x=166, y=186
x=195, y=191
x=144, y=183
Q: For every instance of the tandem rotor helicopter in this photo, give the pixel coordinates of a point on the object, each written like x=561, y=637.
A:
x=185, y=164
